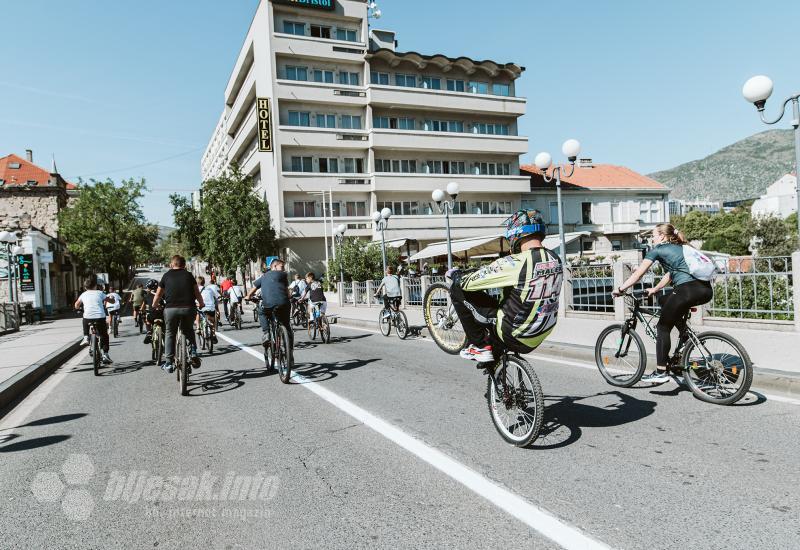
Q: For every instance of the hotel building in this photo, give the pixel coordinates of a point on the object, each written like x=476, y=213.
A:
x=318, y=101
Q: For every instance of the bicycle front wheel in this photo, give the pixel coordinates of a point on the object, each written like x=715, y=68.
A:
x=441, y=319
x=717, y=368
x=324, y=330
x=516, y=403
x=385, y=322
x=620, y=356
x=285, y=358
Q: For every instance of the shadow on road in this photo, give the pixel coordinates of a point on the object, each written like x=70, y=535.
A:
x=320, y=372
x=565, y=418
x=50, y=420
x=34, y=443
x=751, y=398
x=212, y=382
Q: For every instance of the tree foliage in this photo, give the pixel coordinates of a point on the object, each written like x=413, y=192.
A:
x=106, y=229
x=236, y=224
x=361, y=260
x=188, y=226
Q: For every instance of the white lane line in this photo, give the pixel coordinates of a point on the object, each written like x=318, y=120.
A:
x=22, y=411
x=592, y=366
x=542, y=521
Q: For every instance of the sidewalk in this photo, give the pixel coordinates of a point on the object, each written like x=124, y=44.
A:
x=32, y=345
x=772, y=350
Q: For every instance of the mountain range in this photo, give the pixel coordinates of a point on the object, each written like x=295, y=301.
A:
x=742, y=170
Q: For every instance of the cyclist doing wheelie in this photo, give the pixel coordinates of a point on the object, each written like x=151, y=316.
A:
x=274, y=286
x=530, y=278
x=93, y=303
x=390, y=285
x=689, y=271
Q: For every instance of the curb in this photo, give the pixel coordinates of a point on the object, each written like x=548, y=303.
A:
x=773, y=380
x=27, y=379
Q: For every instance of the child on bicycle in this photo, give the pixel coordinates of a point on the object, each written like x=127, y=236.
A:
x=315, y=293
x=530, y=278
x=211, y=299
x=93, y=303
x=390, y=285
x=274, y=286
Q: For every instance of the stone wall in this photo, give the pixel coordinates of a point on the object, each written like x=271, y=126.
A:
x=23, y=208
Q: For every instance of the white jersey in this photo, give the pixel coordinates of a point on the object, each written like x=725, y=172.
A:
x=116, y=304
x=93, y=304
x=236, y=294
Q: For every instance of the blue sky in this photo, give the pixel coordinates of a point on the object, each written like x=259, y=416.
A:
x=133, y=89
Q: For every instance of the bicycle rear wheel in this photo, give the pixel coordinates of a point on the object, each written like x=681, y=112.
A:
x=516, y=402
x=237, y=319
x=442, y=320
x=95, y=347
x=620, y=356
x=285, y=358
x=324, y=330
x=115, y=323
x=385, y=322
x=182, y=365
x=401, y=324
x=158, y=344
x=719, y=370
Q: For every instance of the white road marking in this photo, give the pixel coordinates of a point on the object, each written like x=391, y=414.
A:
x=538, y=519
x=21, y=412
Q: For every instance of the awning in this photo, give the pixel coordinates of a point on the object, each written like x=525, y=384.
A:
x=489, y=244
x=396, y=243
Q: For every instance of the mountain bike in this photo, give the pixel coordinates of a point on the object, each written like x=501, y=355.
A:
x=236, y=316
x=183, y=364
x=715, y=366
x=390, y=316
x=319, y=323
x=157, y=343
x=278, y=348
x=299, y=313
x=204, y=333
x=94, y=347
x=513, y=391
x=256, y=304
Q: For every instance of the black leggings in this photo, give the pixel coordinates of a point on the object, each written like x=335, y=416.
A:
x=477, y=311
x=673, y=308
x=102, y=331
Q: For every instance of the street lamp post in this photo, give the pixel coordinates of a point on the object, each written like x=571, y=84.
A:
x=339, y=235
x=381, y=220
x=757, y=91
x=543, y=161
x=446, y=207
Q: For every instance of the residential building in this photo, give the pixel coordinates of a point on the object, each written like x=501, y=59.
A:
x=30, y=200
x=614, y=204
x=780, y=199
x=318, y=102
x=679, y=207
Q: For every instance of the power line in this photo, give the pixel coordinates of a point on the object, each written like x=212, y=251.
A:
x=116, y=170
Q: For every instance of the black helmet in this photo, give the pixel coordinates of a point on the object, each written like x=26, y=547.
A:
x=152, y=284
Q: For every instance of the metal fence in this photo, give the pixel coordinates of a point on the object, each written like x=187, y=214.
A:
x=590, y=287
x=754, y=288
x=373, y=301
x=347, y=293
x=412, y=291
x=360, y=293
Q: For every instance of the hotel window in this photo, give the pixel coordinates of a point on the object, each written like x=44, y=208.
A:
x=326, y=121
x=323, y=76
x=431, y=83
x=401, y=208
x=616, y=245
x=501, y=89
x=299, y=118
x=491, y=168
x=588, y=246
x=336, y=209
x=444, y=126
x=433, y=166
x=305, y=209
x=455, y=85
x=329, y=165
x=586, y=212
x=380, y=121
x=491, y=207
x=379, y=78
x=407, y=80
x=319, y=31
x=356, y=208
x=460, y=207
x=404, y=123
x=302, y=164
x=351, y=122
x=455, y=167
x=492, y=129
x=382, y=165
x=348, y=35
x=296, y=73
x=348, y=78
x=478, y=87
x=353, y=165
x=290, y=27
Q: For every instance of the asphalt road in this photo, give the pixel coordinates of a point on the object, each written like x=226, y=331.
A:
x=384, y=444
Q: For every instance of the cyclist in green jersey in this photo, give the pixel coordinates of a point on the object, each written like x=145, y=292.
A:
x=530, y=279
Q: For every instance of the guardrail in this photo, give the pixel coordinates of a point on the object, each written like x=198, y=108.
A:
x=589, y=288
x=755, y=288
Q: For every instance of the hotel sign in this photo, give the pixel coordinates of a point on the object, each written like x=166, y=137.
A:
x=315, y=4
x=264, y=125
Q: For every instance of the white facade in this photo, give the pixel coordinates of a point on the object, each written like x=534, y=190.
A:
x=681, y=208
x=780, y=199
x=375, y=127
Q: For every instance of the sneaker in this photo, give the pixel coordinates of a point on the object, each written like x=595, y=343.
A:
x=194, y=358
x=85, y=341
x=169, y=368
x=148, y=339
x=106, y=359
x=479, y=354
x=656, y=377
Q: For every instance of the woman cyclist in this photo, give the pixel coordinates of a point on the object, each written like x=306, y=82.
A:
x=687, y=291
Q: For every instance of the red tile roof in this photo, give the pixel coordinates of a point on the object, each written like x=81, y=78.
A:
x=26, y=172
x=603, y=176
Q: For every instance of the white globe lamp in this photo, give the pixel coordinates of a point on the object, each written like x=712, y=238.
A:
x=757, y=90
x=543, y=161
x=571, y=149
x=452, y=189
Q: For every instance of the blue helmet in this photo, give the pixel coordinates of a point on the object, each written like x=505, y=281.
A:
x=521, y=224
